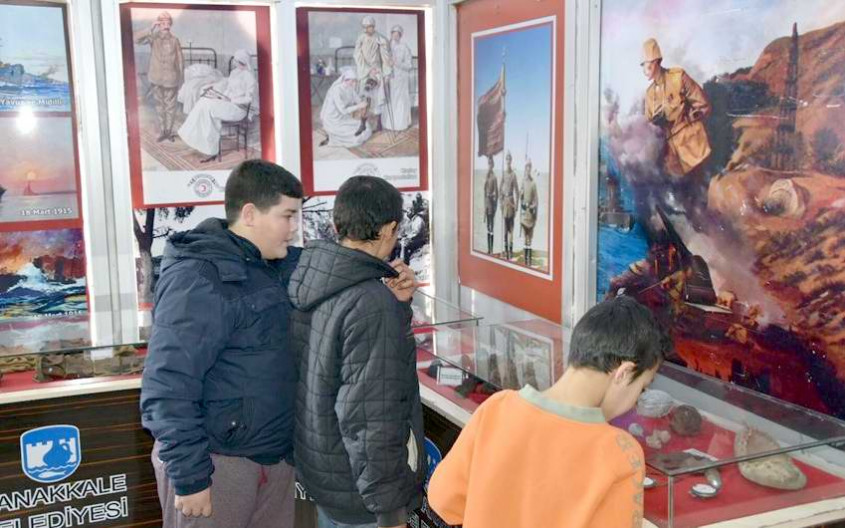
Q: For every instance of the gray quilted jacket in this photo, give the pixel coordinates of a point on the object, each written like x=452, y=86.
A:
x=359, y=432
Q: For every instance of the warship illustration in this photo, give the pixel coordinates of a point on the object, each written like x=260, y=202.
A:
x=611, y=212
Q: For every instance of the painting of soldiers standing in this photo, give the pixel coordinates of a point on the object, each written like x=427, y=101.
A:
x=512, y=147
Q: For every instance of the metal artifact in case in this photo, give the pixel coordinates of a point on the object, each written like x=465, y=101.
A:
x=717, y=452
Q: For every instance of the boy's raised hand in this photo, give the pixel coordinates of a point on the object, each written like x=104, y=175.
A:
x=403, y=286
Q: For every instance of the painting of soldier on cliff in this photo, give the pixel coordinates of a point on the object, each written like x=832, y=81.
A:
x=513, y=71
x=198, y=95
x=34, y=73
x=362, y=104
x=722, y=185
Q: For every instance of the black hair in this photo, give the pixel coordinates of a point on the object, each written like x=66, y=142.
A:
x=261, y=183
x=365, y=204
x=618, y=330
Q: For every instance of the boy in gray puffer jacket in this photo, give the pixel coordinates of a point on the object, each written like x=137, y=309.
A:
x=359, y=431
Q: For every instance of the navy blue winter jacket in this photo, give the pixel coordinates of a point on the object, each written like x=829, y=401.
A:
x=220, y=376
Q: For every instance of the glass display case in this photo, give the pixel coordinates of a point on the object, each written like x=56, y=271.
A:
x=430, y=311
x=717, y=454
x=70, y=367
x=66, y=348
x=466, y=365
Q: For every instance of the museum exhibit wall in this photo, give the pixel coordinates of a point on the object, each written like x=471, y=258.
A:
x=291, y=91
x=720, y=203
x=736, y=250
x=510, y=123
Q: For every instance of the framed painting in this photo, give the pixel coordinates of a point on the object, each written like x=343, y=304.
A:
x=510, y=154
x=720, y=186
x=42, y=274
x=362, y=97
x=199, y=97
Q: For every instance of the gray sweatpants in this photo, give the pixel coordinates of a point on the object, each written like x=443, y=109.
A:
x=244, y=494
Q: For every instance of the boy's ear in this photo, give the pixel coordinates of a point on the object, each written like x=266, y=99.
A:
x=625, y=373
x=247, y=216
x=388, y=229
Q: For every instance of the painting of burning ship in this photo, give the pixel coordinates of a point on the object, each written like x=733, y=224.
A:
x=34, y=72
x=722, y=186
x=42, y=274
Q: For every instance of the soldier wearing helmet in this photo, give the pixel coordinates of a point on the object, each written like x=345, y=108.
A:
x=509, y=196
x=677, y=104
x=529, y=201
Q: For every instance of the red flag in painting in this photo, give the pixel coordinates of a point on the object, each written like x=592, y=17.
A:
x=491, y=119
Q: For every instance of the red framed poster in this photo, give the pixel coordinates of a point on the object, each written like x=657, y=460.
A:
x=510, y=155
x=199, y=97
x=362, y=98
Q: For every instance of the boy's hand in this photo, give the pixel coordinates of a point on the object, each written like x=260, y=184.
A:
x=196, y=505
x=403, y=286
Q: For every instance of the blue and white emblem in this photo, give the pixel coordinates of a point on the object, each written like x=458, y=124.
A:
x=433, y=457
x=50, y=454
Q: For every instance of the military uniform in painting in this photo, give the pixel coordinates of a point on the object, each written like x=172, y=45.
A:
x=165, y=73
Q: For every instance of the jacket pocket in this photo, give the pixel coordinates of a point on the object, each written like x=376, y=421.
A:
x=230, y=421
x=264, y=299
x=264, y=320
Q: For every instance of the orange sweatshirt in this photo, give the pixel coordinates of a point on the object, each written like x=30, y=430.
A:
x=525, y=461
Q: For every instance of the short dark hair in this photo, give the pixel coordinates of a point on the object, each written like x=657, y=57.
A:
x=261, y=183
x=365, y=204
x=618, y=330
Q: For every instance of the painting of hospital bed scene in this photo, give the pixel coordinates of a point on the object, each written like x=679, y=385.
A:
x=512, y=200
x=196, y=74
x=35, y=186
x=365, y=95
x=413, y=246
x=42, y=273
x=722, y=185
x=34, y=73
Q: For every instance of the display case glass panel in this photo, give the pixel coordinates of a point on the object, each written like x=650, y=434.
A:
x=715, y=451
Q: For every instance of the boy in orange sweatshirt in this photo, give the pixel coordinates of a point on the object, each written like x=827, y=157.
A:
x=549, y=459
